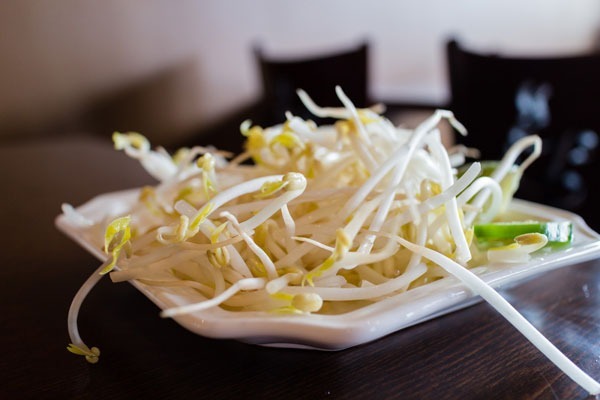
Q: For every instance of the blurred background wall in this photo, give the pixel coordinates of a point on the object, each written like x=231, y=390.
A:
x=179, y=66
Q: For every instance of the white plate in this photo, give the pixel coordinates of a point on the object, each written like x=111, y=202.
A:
x=335, y=332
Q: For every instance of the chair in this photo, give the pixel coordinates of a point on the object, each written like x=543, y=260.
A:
x=317, y=75
x=501, y=99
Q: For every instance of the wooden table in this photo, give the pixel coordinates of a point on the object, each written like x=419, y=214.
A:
x=470, y=354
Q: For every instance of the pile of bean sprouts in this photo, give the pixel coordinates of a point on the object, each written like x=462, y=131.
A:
x=314, y=219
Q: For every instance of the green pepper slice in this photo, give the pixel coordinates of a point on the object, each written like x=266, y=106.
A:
x=559, y=233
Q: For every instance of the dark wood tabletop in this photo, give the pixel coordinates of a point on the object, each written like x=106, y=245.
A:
x=469, y=354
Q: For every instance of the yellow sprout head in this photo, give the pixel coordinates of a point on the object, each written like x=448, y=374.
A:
x=117, y=235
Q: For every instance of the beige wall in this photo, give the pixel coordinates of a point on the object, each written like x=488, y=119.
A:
x=59, y=58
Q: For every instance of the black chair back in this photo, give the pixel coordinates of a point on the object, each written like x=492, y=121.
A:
x=317, y=75
x=501, y=99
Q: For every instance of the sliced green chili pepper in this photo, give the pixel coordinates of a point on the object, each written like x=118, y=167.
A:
x=558, y=233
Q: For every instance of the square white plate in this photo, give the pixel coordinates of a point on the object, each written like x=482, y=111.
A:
x=334, y=332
